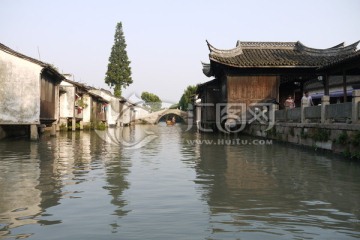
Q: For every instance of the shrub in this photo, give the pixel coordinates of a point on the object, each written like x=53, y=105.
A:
x=356, y=139
x=100, y=126
x=321, y=135
x=342, y=138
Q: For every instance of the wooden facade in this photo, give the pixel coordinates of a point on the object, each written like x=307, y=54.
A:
x=49, y=98
x=252, y=89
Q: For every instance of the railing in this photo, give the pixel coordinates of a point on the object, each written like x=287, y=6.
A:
x=348, y=112
x=340, y=112
x=313, y=114
x=288, y=115
x=293, y=115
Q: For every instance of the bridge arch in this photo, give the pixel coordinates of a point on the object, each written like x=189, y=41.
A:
x=183, y=115
x=154, y=117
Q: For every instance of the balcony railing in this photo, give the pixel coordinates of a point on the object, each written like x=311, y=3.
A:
x=348, y=112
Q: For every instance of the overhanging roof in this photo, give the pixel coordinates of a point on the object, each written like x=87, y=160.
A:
x=279, y=55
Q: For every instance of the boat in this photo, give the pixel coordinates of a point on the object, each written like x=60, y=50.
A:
x=171, y=122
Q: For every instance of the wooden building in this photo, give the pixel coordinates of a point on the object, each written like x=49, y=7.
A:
x=29, y=91
x=261, y=72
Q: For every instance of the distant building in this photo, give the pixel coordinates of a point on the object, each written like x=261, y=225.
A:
x=29, y=91
x=79, y=105
x=113, y=107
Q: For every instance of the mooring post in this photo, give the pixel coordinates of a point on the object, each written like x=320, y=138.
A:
x=34, y=135
x=73, y=124
x=53, y=130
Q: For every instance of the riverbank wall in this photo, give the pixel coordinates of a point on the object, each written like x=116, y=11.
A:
x=337, y=138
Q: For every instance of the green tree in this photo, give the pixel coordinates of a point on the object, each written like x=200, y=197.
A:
x=187, y=96
x=118, y=74
x=152, y=101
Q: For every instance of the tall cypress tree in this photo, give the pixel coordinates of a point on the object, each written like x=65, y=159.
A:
x=118, y=74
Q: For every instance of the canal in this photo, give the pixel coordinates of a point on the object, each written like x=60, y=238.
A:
x=159, y=182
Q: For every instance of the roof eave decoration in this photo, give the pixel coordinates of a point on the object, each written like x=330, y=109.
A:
x=207, y=69
x=339, y=45
x=224, y=53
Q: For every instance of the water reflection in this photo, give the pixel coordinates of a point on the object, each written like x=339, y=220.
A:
x=19, y=197
x=276, y=190
x=78, y=186
x=36, y=177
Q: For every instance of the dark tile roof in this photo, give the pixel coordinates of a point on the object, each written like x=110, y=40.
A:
x=338, y=62
x=279, y=54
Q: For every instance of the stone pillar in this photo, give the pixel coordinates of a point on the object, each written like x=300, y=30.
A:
x=355, y=106
x=303, y=104
x=53, y=130
x=34, y=135
x=325, y=100
x=73, y=124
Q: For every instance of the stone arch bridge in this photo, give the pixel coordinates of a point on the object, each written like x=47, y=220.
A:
x=154, y=117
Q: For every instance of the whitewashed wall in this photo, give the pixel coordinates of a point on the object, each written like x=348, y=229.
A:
x=19, y=90
x=126, y=113
x=113, y=109
x=140, y=112
x=67, y=100
x=87, y=111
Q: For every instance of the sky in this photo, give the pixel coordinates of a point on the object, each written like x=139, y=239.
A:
x=166, y=40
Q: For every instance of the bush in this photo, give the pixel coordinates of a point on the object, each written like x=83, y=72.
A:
x=100, y=126
x=63, y=127
x=356, y=139
x=343, y=138
x=321, y=135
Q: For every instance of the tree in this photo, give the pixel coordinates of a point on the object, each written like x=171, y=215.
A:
x=152, y=101
x=118, y=74
x=187, y=96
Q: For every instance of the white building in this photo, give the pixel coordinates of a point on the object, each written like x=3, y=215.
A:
x=29, y=91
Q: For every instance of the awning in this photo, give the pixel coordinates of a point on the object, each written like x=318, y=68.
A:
x=332, y=94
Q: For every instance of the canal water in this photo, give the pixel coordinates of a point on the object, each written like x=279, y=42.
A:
x=159, y=182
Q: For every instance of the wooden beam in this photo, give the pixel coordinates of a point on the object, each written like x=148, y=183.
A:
x=326, y=85
x=344, y=85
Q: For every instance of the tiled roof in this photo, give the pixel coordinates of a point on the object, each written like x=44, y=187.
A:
x=279, y=54
x=352, y=57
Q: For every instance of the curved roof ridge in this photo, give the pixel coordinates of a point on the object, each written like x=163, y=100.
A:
x=333, y=51
x=267, y=45
x=222, y=52
x=340, y=45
